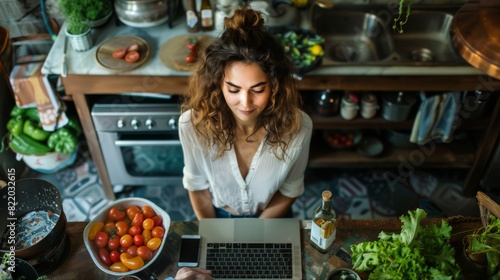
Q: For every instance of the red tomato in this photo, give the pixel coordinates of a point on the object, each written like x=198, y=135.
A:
x=116, y=214
x=157, y=220
x=126, y=240
x=122, y=228
x=138, y=240
x=154, y=243
x=138, y=219
x=101, y=239
x=148, y=224
x=192, y=43
x=119, y=53
x=148, y=212
x=114, y=243
x=94, y=229
x=144, y=253
x=134, y=230
x=132, y=56
x=190, y=58
x=158, y=232
x=109, y=228
x=131, y=211
x=132, y=250
x=114, y=256
x=104, y=256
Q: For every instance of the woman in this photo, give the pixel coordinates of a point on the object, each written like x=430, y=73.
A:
x=244, y=137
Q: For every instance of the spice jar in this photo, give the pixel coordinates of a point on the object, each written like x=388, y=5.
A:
x=368, y=105
x=349, y=106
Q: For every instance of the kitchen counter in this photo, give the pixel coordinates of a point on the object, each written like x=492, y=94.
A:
x=79, y=265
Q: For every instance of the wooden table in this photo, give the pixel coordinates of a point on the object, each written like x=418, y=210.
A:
x=79, y=265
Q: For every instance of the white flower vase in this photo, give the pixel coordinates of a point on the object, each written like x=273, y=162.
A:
x=81, y=42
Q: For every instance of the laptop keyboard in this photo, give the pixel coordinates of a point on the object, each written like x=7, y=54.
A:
x=250, y=260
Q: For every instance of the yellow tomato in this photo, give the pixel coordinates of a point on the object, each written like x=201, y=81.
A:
x=118, y=267
x=94, y=229
x=147, y=235
x=154, y=243
x=148, y=224
x=131, y=262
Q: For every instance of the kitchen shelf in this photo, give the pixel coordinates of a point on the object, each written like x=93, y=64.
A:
x=453, y=155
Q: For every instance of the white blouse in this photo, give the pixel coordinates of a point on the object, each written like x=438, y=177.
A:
x=222, y=176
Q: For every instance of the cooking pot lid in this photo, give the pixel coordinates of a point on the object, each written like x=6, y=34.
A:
x=400, y=98
x=476, y=28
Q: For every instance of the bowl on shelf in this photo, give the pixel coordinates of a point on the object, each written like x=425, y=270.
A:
x=342, y=139
x=102, y=216
x=370, y=146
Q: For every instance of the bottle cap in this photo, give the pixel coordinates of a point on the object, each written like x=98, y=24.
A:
x=327, y=195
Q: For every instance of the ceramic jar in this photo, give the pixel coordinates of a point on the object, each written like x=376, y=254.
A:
x=369, y=105
x=349, y=106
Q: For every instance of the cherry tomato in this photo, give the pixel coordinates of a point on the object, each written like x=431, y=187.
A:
x=116, y=214
x=192, y=43
x=126, y=240
x=147, y=235
x=138, y=219
x=119, y=267
x=190, y=58
x=101, y=239
x=154, y=243
x=134, y=230
x=119, y=53
x=122, y=228
x=131, y=262
x=138, y=240
x=145, y=253
x=148, y=224
x=114, y=243
x=122, y=249
x=148, y=212
x=109, y=227
x=132, y=56
x=131, y=211
x=158, y=232
x=157, y=219
x=132, y=250
x=104, y=256
x=94, y=229
x=114, y=256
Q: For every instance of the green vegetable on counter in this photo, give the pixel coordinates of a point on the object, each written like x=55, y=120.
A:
x=26, y=145
x=30, y=113
x=62, y=141
x=32, y=129
x=15, y=125
x=415, y=253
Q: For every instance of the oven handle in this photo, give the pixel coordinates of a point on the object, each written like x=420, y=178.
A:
x=131, y=143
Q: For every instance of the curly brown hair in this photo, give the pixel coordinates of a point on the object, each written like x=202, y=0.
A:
x=245, y=39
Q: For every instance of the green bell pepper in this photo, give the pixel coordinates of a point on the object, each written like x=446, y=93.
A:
x=62, y=141
x=74, y=126
x=26, y=145
x=15, y=125
x=30, y=113
x=16, y=111
x=31, y=129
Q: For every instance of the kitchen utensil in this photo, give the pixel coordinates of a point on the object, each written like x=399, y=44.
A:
x=343, y=274
x=102, y=216
x=39, y=218
x=104, y=57
x=172, y=52
x=369, y=105
x=397, y=106
x=145, y=13
x=64, y=70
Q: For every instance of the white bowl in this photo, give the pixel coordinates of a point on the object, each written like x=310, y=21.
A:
x=48, y=163
x=102, y=216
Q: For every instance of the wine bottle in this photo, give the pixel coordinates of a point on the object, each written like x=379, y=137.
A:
x=323, y=227
x=207, y=15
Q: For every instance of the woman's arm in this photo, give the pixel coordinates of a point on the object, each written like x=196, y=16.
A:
x=202, y=204
x=278, y=206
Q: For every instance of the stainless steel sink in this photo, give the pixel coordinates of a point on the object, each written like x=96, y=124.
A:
x=363, y=38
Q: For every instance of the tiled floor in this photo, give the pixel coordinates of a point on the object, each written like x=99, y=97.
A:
x=358, y=194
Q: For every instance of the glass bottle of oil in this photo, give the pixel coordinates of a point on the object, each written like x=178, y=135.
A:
x=207, y=15
x=323, y=227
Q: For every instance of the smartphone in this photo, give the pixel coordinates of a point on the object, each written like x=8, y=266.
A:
x=190, y=250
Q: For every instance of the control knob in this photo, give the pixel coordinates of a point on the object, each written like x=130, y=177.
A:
x=135, y=123
x=149, y=123
x=120, y=123
x=172, y=123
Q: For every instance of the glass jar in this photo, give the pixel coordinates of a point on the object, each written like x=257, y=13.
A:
x=349, y=106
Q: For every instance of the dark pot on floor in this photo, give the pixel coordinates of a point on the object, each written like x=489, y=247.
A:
x=32, y=208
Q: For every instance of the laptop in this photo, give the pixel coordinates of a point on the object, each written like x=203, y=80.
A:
x=251, y=248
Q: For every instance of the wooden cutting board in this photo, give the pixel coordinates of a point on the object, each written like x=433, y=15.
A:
x=172, y=52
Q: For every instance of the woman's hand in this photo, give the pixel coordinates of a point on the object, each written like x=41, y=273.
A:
x=195, y=273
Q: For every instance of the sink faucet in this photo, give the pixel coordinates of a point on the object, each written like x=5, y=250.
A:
x=325, y=4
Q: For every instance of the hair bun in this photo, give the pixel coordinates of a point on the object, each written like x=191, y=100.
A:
x=244, y=20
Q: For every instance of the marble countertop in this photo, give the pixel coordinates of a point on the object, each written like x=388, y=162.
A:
x=84, y=63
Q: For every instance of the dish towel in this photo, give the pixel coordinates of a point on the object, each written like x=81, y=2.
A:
x=33, y=89
x=435, y=120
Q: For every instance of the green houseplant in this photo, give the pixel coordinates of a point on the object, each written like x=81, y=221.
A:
x=483, y=246
x=85, y=10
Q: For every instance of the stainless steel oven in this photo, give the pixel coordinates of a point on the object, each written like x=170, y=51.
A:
x=139, y=139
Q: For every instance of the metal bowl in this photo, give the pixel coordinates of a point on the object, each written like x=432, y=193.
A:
x=144, y=13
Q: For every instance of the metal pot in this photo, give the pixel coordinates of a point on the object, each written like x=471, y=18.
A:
x=397, y=106
x=32, y=196
x=145, y=13
x=327, y=102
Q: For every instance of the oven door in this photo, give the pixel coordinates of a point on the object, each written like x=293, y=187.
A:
x=142, y=159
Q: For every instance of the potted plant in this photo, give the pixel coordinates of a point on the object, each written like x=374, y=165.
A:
x=96, y=12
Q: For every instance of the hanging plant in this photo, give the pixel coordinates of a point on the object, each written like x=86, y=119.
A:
x=402, y=18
